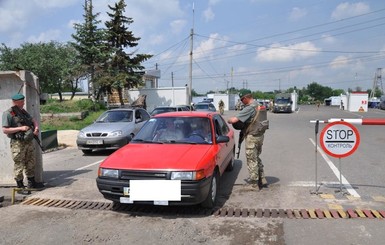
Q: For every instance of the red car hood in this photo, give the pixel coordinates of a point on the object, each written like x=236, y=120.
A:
x=158, y=157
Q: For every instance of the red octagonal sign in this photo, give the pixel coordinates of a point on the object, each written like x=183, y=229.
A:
x=339, y=139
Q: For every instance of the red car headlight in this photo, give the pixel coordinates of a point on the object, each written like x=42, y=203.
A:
x=188, y=175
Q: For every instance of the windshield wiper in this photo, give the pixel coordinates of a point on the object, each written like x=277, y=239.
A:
x=187, y=142
x=147, y=141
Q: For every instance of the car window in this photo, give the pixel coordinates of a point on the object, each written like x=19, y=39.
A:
x=221, y=127
x=201, y=106
x=185, y=130
x=162, y=110
x=145, y=115
x=115, y=116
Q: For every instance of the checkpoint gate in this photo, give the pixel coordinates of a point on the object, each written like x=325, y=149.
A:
x=340, y=139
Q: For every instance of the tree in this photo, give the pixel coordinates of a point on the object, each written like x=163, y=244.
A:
x=318, y=92
x=122, y=69
x=90, y=46
x=52, y=62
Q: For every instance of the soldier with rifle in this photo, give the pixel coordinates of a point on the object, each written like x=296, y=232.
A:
x=21, y=128
x=252, y=121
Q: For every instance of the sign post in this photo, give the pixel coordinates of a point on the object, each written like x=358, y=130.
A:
x=339, y=139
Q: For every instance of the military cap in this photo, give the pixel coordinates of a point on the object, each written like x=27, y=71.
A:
x=18, y=97
x=244, y=92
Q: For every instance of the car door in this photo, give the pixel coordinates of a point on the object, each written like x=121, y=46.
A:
x=225, y=149
x=212, y=107
x=141, y=117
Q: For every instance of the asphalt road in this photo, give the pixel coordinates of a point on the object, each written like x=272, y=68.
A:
x=293, y=166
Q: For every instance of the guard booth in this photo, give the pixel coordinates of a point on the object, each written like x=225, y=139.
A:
x=26, y=83
x=358, y=101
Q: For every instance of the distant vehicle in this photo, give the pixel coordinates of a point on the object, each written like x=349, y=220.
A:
x=382, y=105
x=163, y=109
x=185, y=166
x=112, y=130
x=205, y=106
x=285, y=102
x=208, y=100
x=188, y=107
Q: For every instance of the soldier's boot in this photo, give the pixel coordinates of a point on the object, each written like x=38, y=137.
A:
x=20, y=184
x=33, y=184
x=262, y=182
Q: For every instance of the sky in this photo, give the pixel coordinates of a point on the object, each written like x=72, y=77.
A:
x=261, y=45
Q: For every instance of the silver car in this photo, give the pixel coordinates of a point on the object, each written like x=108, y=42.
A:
x=205, y=106
x=112, y=130
x=164, y=109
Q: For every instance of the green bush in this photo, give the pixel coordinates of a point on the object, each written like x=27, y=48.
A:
x=55, y=106
x=70, y=123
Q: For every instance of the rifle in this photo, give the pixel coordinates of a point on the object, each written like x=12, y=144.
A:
x=25, y=121
x=240, y=140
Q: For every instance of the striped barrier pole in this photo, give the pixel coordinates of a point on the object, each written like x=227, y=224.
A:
x=361, y=121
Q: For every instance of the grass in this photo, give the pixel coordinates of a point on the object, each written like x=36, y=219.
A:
x=69, y=123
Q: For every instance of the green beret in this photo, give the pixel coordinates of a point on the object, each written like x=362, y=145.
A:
x=244, y=92
x=18, y=97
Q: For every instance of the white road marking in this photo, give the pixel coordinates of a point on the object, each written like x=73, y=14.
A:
x=331, y=184
x=73, y=171
x=335, y=170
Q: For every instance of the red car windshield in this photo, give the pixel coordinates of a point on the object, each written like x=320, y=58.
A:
x=176, y=130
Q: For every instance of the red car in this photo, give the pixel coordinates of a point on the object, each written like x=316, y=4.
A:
x=176, y=158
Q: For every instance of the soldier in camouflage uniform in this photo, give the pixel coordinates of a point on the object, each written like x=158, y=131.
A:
x=253, y=130
x=22, y=146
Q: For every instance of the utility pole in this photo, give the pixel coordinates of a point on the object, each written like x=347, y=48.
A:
x=377, y=83
x=191, y=59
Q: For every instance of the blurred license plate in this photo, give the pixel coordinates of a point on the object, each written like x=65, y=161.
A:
x=94, y=142
x=160, y=191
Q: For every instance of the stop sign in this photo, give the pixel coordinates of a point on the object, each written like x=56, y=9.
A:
x=339, y=139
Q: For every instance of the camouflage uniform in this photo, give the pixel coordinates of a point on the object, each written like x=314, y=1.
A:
x=24, y=158
x=254, y=140
x=22, y=149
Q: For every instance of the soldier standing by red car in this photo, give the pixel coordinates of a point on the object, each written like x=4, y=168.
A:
x=254, y=124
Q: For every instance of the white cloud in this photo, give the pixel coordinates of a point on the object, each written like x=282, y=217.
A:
x=208, y=14
x=339, y=62
x=71, y=23
x=178, y=25
x=213, y=2
x=206, y=47
x=297, y=14
x=238, y=47
x=328, y=38
x=345, y=10
x=12, y=17
x=156, y=39
x=151, y=12
x=277, y=52
x=46, y=4
x=47, y=36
